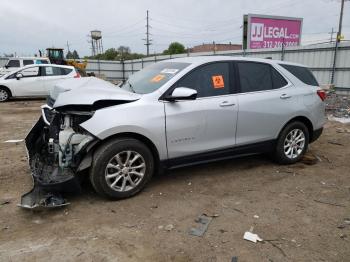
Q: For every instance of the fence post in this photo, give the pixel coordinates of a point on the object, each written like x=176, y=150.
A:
x=99, y=67
x=132, y=66
x=334, y=62
x=123, y=69
x=142, y=63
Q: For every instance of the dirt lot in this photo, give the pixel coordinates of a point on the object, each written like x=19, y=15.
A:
x=301, y=209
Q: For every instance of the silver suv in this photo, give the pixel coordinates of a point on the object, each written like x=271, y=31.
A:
x=173, y=113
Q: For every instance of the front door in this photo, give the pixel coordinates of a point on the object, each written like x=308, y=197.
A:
x=207, y=123
x=28, y=85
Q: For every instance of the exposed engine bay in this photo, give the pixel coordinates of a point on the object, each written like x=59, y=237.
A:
x=56, y=146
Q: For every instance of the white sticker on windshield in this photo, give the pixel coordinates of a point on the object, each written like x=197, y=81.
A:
x=169, y=71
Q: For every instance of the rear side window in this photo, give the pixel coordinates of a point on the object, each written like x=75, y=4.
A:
x=65, y=71
x=278, y=81
x=302, y=73
x=13, y=63
x=259, y=77
x=208, y=80
x=28, y=62
x=52, y=71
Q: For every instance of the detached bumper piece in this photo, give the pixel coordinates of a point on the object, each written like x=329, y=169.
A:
x=38, y=198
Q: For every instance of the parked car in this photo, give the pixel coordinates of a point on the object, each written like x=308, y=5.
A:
x=171, y=114
x=17, y=62
x=34, y=80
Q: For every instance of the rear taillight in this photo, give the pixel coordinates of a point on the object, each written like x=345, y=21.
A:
x=77, y=75
x=322, y=94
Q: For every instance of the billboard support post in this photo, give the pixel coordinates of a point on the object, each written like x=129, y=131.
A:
x=282, y=53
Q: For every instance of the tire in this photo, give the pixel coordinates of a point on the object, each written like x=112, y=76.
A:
x=297, y=146
x=4, y=94
x=114, y=154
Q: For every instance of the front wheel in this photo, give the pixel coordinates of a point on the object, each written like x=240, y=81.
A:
x=292, y=143
x=121, y=168
x=4, y=94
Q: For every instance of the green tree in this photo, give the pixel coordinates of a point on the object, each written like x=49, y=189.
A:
x=109, y=54
x=175, y=48
x=75, y=54
x=69, y=55
x=121, y=53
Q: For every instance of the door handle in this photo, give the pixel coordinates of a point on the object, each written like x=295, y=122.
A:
x=285, y=96
x=226, y=103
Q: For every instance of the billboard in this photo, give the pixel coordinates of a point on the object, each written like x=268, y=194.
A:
x=262, y=31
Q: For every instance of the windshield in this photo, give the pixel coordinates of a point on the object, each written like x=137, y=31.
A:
x=153, y=77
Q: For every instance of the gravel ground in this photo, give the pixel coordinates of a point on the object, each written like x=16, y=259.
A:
x=338, y=105
x=301, y=211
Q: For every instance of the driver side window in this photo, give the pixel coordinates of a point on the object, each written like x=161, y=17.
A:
x=30, y=72
x=208, y=80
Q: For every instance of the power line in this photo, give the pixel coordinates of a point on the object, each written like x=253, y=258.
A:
x=126, y=27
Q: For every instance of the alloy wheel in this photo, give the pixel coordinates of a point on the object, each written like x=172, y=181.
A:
x=294, y=143
x=125, y=171
x=3, y=95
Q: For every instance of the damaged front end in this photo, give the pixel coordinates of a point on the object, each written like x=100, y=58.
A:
x=57, y=148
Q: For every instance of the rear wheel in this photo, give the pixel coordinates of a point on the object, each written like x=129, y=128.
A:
x=121, y=168
x=4, y=94
x=292, y=143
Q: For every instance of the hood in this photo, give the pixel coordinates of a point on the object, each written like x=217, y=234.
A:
x=87, y=91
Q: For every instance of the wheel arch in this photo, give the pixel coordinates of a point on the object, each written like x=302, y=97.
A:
x=306, y=121
x=6, y=88
x=148, y=142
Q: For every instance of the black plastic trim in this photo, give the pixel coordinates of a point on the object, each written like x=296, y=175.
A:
x=316, y=134
x=228, y=153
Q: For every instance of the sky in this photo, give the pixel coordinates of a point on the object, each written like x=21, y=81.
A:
x=27, y=26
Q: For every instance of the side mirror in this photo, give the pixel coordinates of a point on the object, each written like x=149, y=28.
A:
x=19, y=76
x=6, y=67
x=182, y=93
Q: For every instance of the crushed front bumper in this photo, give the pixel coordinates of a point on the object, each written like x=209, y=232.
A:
x=51, y=178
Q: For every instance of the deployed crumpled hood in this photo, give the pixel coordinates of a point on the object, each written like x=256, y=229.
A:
x=87, y=91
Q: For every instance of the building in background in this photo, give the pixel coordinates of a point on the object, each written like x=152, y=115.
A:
x=214, y=47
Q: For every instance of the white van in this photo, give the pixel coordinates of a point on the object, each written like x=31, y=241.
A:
x=17, y=62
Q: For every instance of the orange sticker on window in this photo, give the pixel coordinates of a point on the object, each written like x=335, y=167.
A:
x=218, y=81
x=157, y=78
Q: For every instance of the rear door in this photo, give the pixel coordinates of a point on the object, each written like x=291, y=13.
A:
x=52, y=75
x=207, y=123
x=266, y=100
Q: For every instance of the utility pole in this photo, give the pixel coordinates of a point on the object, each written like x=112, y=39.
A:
x=337, y=40
x=68, y=46
x=331, y=33
x=68, y=51
x=148, y=40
